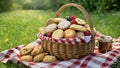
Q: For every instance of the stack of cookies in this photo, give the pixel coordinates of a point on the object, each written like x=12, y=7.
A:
x=69, y=27
x=33, y=53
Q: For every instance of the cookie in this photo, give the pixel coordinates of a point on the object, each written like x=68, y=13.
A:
x=78, y=27
x=51, y=28
x=39, y=57
x=64, y=24
x=26, y=50
x=88, y=28
x=58, y=19
x=80, y=21
x=49, y=58
x=69, y=33
x=27, y=58
x=55, y=20
x=79, y=34
x=58, y=34
x=36, y=51
x=42, y=30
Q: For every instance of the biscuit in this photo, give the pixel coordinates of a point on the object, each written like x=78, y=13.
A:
x=54, y=20
x=79, y=34
x=88, y=28
x=58, y=34
x=80, y=21
x=49, y=58
x=64, y=24
x=27, y=58
x=78, y=27
x=42, y=30
x=58, y=19
x=36, y=50
x=51, y=28
x=39, y=57
x=26, y=50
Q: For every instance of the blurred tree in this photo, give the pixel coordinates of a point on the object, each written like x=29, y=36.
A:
x=5, y=5
x=89, y=5
x=17, y=4
x=37, y=4
x=96, y=5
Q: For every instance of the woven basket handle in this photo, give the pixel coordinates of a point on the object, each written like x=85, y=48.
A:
x=87, y=17
x=80, y=8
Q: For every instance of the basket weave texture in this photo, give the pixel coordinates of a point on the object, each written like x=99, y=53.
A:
x=70, y=51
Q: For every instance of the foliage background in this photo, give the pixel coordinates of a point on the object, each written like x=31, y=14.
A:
x=89, y=5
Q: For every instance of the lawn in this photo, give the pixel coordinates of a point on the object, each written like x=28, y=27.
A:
x=21, y=26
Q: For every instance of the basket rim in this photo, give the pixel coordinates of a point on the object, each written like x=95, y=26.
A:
x=76, y=40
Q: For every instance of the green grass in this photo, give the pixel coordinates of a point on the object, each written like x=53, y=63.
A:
x=21, y=26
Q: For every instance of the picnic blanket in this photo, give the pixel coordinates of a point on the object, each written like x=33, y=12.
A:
x=95, y=60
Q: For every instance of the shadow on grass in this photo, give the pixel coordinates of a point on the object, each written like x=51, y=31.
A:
x=116, y=64
x=10, y=64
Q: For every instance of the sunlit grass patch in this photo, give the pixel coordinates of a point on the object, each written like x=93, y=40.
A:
x=20, y=28
x=108, y=23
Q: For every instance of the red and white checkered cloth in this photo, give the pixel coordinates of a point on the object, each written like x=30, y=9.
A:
x=95, y=60
x=77, y=40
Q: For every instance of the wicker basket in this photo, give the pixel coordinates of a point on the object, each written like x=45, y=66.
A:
x=70, y=51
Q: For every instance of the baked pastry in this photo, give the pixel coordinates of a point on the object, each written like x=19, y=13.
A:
x=27, y=58
x=42, y=30
x=88, y=28
x=26, y=50
x=55, y=20
x=36, y=51
x=51, y=28
x=80, y=21
x=49, y=58
x=39, y=57
x=58, y=34
x=58, y=19
x=79, y=34
x=78, y=27
x=69, y=33
x=64, y=24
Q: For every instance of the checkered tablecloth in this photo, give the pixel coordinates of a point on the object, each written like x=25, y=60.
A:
x=95, y=60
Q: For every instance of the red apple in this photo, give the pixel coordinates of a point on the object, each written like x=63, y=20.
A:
x=74, y=22
x=87, y=33
x=73, y=17
x=49, y=34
